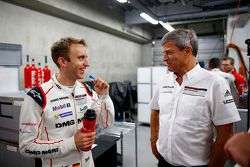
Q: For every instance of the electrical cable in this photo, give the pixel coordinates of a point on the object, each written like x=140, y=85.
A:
x=235, y=21
x=243, y=69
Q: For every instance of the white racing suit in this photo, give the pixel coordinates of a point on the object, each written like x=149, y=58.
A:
x=51, y=115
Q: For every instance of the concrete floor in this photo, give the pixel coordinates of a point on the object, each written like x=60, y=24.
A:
x=145, y=156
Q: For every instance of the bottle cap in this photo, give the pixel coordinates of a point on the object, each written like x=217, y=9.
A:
x=91, y=77
x=90, y=114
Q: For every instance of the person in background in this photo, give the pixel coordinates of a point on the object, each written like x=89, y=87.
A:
x=189, y=101
x=238, y=148
x=51, y=115
x=214, y=65
x=227, y=66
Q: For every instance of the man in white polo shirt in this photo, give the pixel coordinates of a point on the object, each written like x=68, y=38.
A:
x=188, y=103
x=214, y=66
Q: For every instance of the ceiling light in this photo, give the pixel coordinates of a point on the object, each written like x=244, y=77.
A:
x=148, y=18
x=122, y=1
x=166, y=26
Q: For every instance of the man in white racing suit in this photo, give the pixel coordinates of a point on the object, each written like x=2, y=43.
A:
x=52, y=113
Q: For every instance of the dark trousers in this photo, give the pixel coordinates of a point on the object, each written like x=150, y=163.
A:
x=163, y=163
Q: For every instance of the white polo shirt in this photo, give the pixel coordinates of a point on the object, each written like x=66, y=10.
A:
x=188, y=112
x=230, y=79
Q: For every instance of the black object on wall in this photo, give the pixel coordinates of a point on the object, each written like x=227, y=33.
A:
x=10, y=54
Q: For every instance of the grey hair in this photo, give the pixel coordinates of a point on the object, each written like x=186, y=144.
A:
x=182, y=38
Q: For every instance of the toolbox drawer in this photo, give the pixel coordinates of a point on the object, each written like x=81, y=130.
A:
x=9, y=121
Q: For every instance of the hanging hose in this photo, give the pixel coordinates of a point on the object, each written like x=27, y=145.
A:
x=242, y=69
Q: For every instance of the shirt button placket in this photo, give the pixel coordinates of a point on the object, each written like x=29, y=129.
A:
x=176, y=96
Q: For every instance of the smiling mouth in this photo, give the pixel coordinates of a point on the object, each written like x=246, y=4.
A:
x=82, y=70
x=163, y=64
x=168, y=64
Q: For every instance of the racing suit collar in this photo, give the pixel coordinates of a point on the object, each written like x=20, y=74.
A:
x=69, y=89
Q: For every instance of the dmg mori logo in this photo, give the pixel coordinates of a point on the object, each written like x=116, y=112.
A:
x=61, y=106
x=63, y=124
x=68, y=123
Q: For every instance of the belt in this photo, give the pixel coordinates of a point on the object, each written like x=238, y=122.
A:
x=164, y=163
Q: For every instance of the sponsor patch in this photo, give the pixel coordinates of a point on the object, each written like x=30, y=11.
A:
x=227, y=93
x=60, y=98
x=167, y=89
x=80, y=96
x=56, y=116
x=35, y=94
x=83, y=108
x=61, y=106
x=228, y=101
x=28, y=123
x=171, y=87
x=43, y=152
x=81, y=99
x=50, y=151
x=63, y=115
x=194, y=91
x=68, y=123
x=66, y=114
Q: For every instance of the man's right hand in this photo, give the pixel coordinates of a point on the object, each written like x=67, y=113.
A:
x=84, y=140
x=154, y=132
x=154, y=148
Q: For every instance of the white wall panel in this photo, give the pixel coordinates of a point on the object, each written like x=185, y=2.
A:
x=144, y=113
x=144, y=75
x=144, y=93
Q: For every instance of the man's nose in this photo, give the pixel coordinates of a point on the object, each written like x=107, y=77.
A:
x=165, y=57
x=86, y=63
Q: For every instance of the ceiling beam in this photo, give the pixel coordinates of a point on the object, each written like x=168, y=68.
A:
x=138, y=5
x=218, y=2
x=204, y=14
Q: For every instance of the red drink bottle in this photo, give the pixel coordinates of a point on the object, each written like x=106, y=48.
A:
x=89, y=121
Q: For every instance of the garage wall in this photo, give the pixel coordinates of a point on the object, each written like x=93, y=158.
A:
x=240, y=34
x=112, y=57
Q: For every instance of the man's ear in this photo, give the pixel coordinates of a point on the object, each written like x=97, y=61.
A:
x=61, y=61
x=189, y=50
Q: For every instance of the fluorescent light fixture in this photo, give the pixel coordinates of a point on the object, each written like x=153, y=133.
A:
x=166, y=26
x=122, y=1
x=148, y=18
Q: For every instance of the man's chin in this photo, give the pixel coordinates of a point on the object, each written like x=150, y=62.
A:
x=81, y=76
x=170, y=69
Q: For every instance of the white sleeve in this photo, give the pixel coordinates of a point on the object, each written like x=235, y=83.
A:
x=154, y=102
x=223, y=106
x=32, y=134
x=105, y=111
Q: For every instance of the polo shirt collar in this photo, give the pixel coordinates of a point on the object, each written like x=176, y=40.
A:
x=193, y=72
